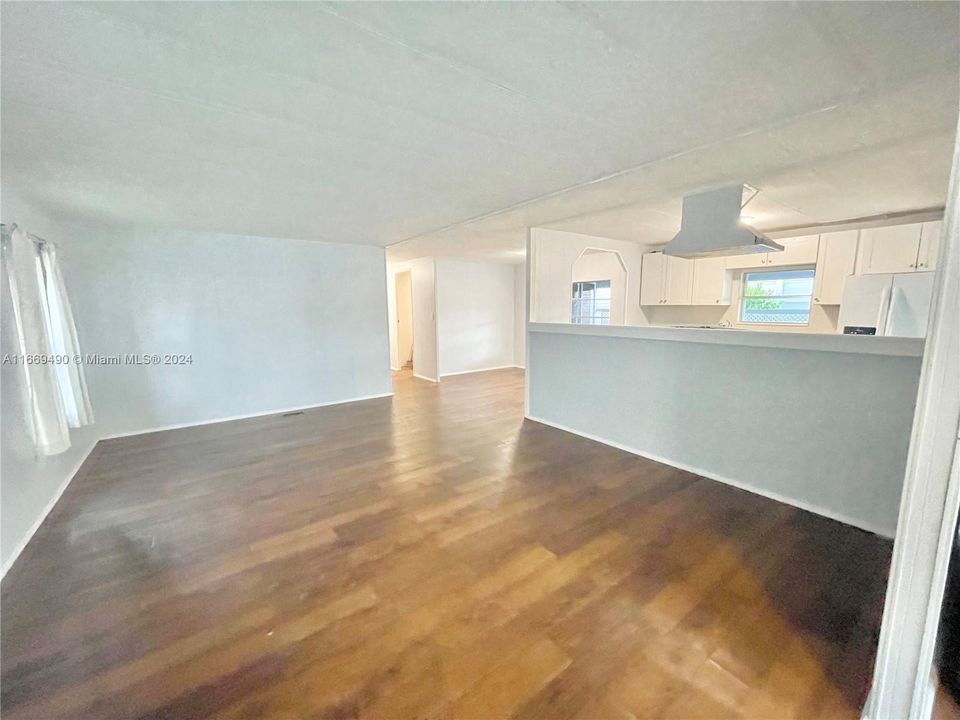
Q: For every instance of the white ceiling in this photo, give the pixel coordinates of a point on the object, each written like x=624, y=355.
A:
x=457, y=124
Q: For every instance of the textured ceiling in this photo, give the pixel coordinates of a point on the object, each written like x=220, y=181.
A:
x=457, y=124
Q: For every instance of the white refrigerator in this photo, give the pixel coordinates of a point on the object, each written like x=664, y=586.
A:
x=895, y=304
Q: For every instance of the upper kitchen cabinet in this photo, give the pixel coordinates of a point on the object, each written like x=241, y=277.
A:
x=652, y=275
x=679, y=282
x=665, y=280
x=749, y=260
x=929, y=245
x=895, y=249
x=711, y=282
x=796, y=251
x=836, y=261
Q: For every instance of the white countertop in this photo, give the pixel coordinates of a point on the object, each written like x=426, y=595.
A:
x=856, y=344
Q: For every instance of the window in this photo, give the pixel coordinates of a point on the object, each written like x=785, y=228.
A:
x=591, y=303
x=777, y=297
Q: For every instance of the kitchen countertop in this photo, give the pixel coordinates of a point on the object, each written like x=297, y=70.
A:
x=855, y=344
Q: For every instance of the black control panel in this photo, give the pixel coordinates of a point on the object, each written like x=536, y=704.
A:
x=859, y=330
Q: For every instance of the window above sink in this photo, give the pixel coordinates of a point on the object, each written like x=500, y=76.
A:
x=777, y=297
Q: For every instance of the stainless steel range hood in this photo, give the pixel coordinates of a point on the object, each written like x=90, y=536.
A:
x=710, y=226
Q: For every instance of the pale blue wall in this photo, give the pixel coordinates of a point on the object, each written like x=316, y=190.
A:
x=826, y=430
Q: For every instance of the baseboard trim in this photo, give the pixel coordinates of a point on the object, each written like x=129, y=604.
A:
x=428, y=379
x=478, y=370
x=47, y=509
x=816, y=509
x=281, y=411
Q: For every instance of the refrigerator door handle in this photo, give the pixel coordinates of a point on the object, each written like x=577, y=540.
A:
x=895, y=295
x=884, y=313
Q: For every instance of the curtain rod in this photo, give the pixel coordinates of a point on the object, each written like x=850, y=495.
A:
x=8, y=229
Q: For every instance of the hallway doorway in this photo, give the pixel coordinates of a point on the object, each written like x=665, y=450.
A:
x=404, y=289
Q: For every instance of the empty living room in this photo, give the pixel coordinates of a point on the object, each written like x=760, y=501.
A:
x=479, y=360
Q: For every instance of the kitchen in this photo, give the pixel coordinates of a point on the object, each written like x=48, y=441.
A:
x=820, y=334
x=871, y=276
x=873, y=280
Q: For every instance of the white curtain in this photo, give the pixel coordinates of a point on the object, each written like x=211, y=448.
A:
x=56, y=391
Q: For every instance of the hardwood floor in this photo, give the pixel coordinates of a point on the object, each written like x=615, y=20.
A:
x=429, y=555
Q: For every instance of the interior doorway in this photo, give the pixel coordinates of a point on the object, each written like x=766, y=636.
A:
x=599, y=294
x=404, y=289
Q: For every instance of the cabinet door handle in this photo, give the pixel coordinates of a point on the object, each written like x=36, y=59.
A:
x=816, y=299
x=912, y=265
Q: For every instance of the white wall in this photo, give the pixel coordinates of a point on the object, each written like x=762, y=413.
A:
x=476, y=311
x=552, y=257
x=270, y=325
x=468, y=315
x=825, y=430
x=29, y=484
x=425, y=344
x=520, y=315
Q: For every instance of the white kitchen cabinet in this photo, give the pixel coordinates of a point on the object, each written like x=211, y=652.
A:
x=836, y=261
x=889, y=249
x=929, y=248
x=711, y=282
x=652, y=276
x=741, y=262
x=679, y=281
x=796, y=251
x=665, y=280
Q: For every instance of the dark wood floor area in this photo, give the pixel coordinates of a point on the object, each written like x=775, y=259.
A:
x=429, y=555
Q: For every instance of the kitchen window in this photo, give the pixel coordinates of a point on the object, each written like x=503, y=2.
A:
x=777, y=297
x=591, y=303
